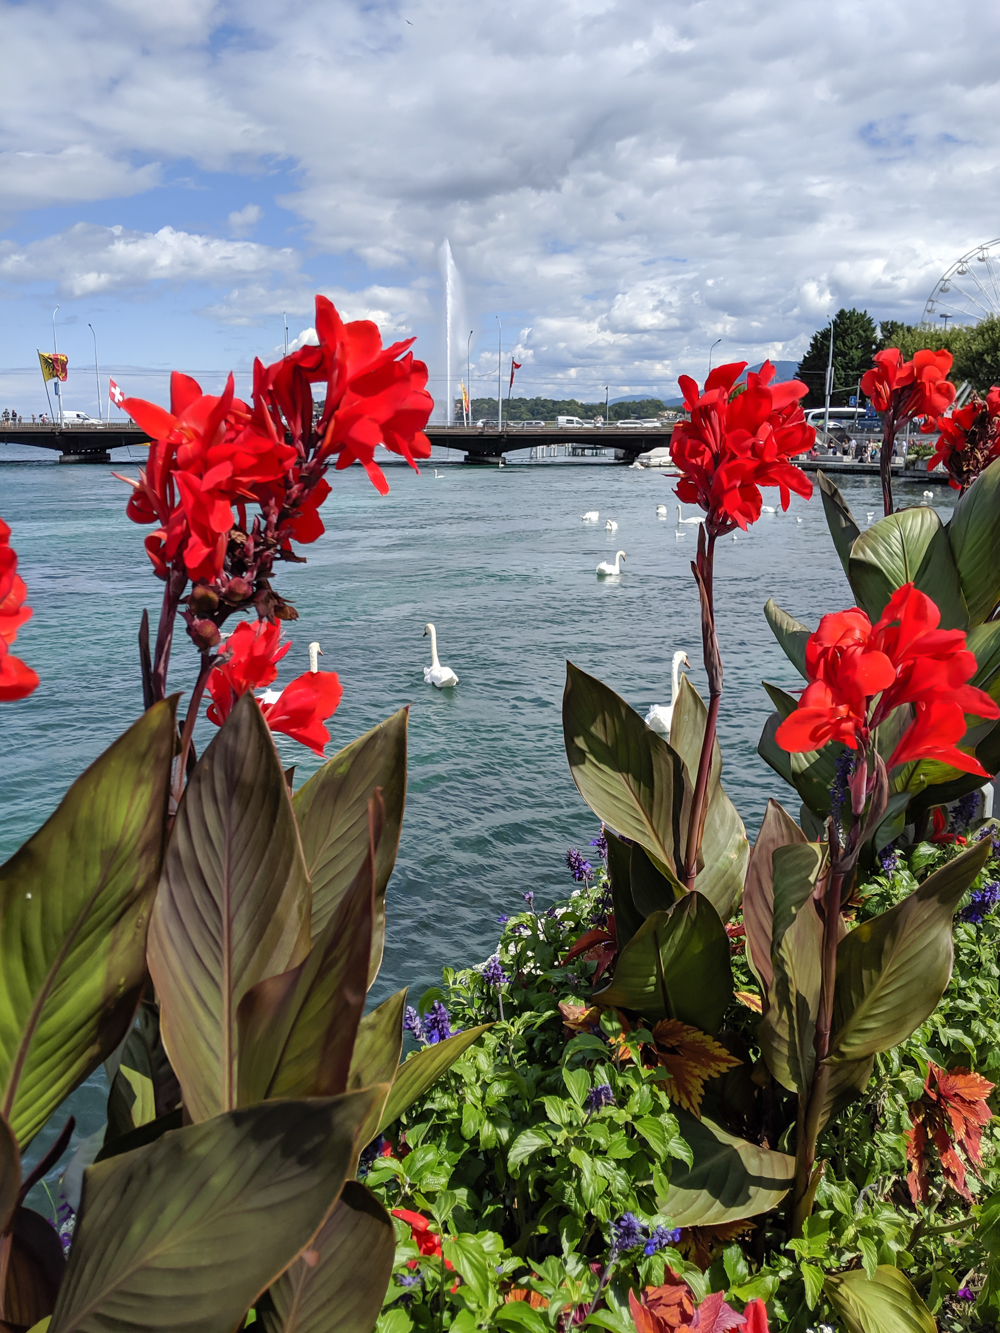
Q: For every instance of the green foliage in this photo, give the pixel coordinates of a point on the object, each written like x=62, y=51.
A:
x=977, y=354
x=910, y=338
x=547, y=409
x=854, y=345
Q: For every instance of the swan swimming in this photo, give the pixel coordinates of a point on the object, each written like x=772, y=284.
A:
x=661, y=511
x=605, y=568
x=660, y=716
x=436, y=674
x=438, y=474
x=767, y=509
x=681, y=519
x=928, y=495
x=611, y=525
x=271, y=696
x=591, y=516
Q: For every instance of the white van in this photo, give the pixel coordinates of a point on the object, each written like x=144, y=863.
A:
x=78, y=419
x=573, y=423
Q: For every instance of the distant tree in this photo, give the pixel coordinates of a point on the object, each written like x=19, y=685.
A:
x=977, y=356
x=547, y=409
x=910, y=338
x=854, y=343
x=890, y=331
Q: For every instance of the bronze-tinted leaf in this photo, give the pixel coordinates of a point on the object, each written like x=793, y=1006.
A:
x=777, y=829
x=332, y=811
x=297, y=1029
x=74, y=910
x=10, y=1173
x=145, y=1087
x=893, y=969
x=379, y=1044
x=628, y=918
x=339, y=1284
x=627, y=774
x=232, y=907
x=886, y=1303
x=34, y=1271
x=185, y=1235
x=675, y=966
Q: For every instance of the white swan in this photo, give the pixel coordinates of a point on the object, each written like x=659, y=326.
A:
x=436, y=674
x=681, y=519
x=661, y=511
x=928, y=495
x=679, y=536
x=611, y=525
x=591, y=516
x=438, y=474
x=734, y=534
x=871, y=514
x=271, y=696
x=660, y=716
x=605, y=568
x=798, y=520
x=767, y=509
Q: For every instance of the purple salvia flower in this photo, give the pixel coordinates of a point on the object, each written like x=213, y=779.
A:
x=981, y=903
x=437, y=1023
x=579, y=868
x=502, y=920
x=660, y=1239
x=626, y=1234
x=599, y=1096
x=492, y=972
x=965, y=1294
x=890, y=860
x=601, y=844
x=965, y=809
x=413, y=1024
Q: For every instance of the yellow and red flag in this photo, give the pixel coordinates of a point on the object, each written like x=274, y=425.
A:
x=55, y=365
x=465, y=397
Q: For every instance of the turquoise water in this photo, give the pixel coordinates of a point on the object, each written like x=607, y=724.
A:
x=500, y=561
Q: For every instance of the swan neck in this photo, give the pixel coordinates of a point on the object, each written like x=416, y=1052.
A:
x=313, y=658
x=675, y=681
x=434, y=648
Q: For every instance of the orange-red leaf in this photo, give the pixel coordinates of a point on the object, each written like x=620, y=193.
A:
x=950, y=1114
x=691, y=1058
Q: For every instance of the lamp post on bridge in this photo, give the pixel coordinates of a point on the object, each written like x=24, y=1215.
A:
x=499, y=376
x=468, y=377
x=55, y=349
x=711, y=353
x=97, y=377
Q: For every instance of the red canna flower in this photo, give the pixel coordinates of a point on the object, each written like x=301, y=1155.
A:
x=428, y=1242
x=17, y=680
x=951, y=1114
x=248, y=662
x=859, y=672
x=907, y=389
x=755, y=1314
x=303, y=706
x=969, y=440
x=738, y=440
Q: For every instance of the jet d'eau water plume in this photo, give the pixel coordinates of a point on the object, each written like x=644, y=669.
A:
x=454, y=326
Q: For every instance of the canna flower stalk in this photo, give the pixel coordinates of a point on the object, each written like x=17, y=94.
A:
x=902, y=390
x=738, y=439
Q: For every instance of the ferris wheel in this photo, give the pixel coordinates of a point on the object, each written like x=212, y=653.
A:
x=968, y=291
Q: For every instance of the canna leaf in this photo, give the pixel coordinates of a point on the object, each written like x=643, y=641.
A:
x=379, y=1044
x=777, y=829
x=974, y=534
x=893, y=969
x=10, y=1173
x=787, y=1031
x=651, y=890
x=144, y=1087
x=907, y=547
x=730, y=1179
x=297, y=1029
x=232, y=908
x=675, y=966
x=887, y=1303
x=843, y=527
x=724, y=847
x=791, y=634
x=627, y=774
x=811, y=773
x=332, y=813
x=185, y=1234
x=628, y=918
x=74, y=909
x=34, y=1269
x=338, y=1284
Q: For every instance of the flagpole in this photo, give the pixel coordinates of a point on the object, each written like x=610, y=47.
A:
x=55, y=348
x=468, y=375
x=44, y=382
x=97, y=377
x=499, y=375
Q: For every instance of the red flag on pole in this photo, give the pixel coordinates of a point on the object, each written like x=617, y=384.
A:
x=115, y=395
x=514, y=365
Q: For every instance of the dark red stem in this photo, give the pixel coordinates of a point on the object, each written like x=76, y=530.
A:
x=172, y=592
x=204, y=671
x=703, y=571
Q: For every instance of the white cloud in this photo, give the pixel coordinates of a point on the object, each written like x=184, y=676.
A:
x=87, y=259
x=631, y=180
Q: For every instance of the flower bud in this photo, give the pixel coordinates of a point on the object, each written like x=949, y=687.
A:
x=204, y=633
x=203, y=600
x=237, y=590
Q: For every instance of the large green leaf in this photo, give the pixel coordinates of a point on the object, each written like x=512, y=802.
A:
x=811, y=773
x=627, y=774
x=893, y=969
x=628, y=918
x=729, y=1179
x=791, y=634
x=796, y=869
x=843, y=527
x=74, y=909
x=339, y=1284
x=974, y=533
x=788, y=1029
x=886, y=1303
x=777, y=829
x=297, y=1029
x=332, y=811
x=909, y=547
x=984, y=641
x=420, y=1071
x=185, y=1235
x=675, y=966
x=652, y=891
x=232, y=907
x=724, y=847
x=144, y=1087
x=379, y=1044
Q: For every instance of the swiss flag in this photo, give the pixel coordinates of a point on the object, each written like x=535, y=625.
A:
x=115, y=395
x=514, y=365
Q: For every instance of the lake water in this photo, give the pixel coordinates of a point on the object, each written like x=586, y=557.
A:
x=500, y=561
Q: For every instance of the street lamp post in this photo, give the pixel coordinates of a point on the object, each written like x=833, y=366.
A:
x=607, y=405
x=55, y=349
x=468, y=378
x=97, y=377
x=499, y=375
x=829, y=383
x=711, y=353
x=284, y=316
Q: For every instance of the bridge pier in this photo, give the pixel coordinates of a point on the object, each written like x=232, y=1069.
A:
x=91, y=456
x=492, y=459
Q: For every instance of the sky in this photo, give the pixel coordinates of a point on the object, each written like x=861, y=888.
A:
x=622, y=183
